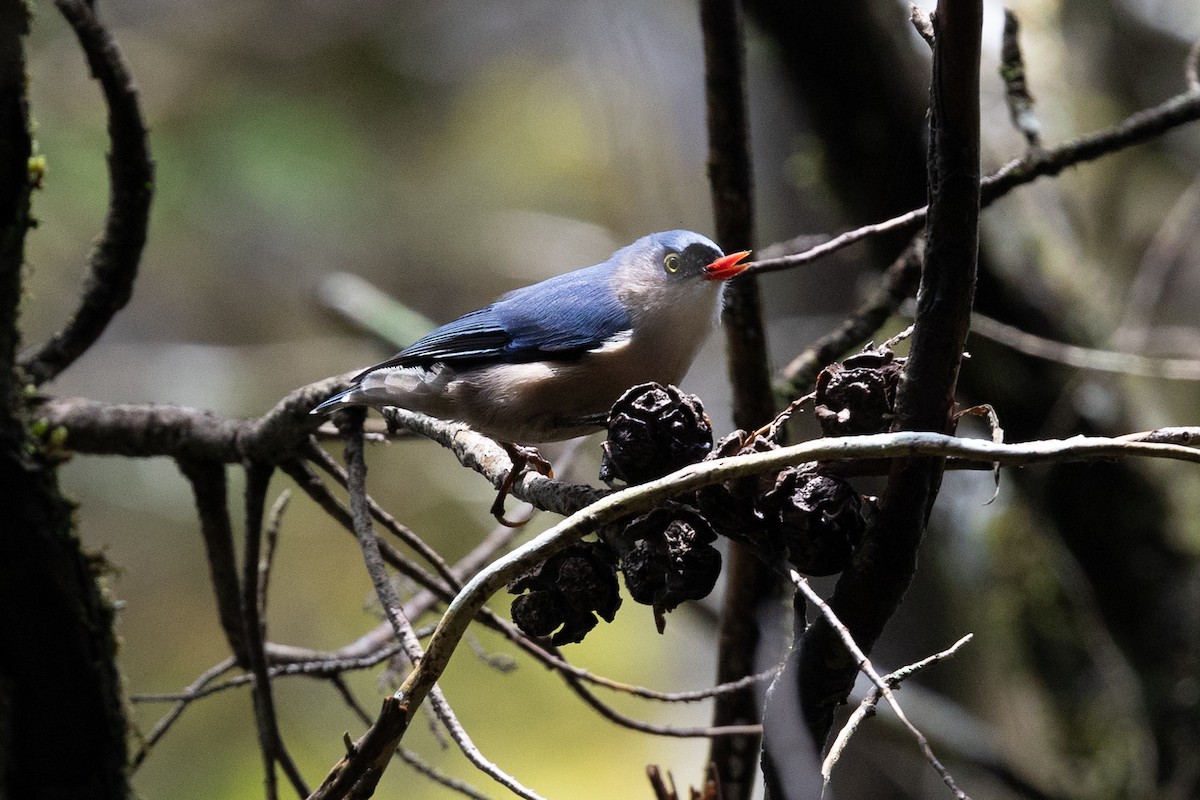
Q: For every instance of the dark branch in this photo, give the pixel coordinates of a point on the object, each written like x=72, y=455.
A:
x=114, y=263
x=16, y=147
x=868, y=593
x=730, y=177
x=210, y=491
x=1135, y=129
x=895, y=286
x=258, y=478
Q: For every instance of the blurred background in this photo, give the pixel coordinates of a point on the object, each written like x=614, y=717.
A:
x=449, y=152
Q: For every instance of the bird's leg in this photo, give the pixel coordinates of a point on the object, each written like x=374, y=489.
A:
x=523, y=458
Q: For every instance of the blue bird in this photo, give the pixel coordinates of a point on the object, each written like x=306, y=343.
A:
x=546, y=362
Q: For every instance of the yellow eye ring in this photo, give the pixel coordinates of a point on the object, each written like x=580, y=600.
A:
x=671, y=263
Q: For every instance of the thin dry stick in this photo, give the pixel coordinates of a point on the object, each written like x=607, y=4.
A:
x=181, y=703
x=897, y=283
x=864, y=666
x=356, y=472
x=1134, y=129
x=274, y=751
x=402, y=532
x=867, y=707
x=271, y=535
x=315, y=488
x=1175, y=369
x=612, y=715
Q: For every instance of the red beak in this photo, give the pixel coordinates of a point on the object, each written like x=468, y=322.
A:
x=725, y=267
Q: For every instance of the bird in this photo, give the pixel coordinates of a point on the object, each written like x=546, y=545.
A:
x=546, y=362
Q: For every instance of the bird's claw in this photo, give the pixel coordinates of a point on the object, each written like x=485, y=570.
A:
x=523, y=459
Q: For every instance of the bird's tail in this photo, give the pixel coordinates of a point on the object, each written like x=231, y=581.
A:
x=339, y=400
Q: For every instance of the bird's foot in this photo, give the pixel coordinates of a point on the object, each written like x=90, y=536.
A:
x=523, y=459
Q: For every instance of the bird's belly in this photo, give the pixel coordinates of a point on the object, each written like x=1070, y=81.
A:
x=549, y=401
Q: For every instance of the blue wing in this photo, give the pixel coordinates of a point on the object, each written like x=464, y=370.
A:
x=562, y=317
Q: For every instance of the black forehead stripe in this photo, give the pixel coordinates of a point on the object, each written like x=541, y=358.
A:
x=697, y=256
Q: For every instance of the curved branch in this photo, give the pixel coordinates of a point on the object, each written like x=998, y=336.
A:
x=495, y=576
x=1134, y=129
x=114, y=263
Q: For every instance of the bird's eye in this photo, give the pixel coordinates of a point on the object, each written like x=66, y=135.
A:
x=671, y=262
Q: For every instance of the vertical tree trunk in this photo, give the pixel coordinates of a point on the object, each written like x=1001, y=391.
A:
x=62, y=726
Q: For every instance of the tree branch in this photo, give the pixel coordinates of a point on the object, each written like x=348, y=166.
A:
x=210, y=491
x=870, y=590
x=1134, y=129
x=113, y=264
x=747, y=581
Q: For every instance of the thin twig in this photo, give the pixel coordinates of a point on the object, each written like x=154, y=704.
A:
x=314, y=487
x=867, y=707
x=1134, y=129
x=405, y=755
x=209, y=488
x=1175, y=369
x=113, y=264
x=390, y=523
x=181, y=703
x=897, y=283
x=356, y=470
x=626, y=721
x=258, y=477
x=865, y=666
x=271, y=534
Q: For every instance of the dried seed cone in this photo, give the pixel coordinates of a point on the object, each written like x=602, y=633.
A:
x=654, y=430
x=858, y=396
x=565, y=590
x=817, y=517
x=667, y=557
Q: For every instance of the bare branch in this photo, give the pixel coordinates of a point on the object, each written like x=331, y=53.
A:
x=402, y=532
x=499, y=573
x=192, y=692
x=485, y=456
x=1175, y=369
x=113, y=264
x=626, y=721
x=730, y=174
x=271, y=532
x=897, y=284
x=867, y=707
x=864, y=665
x=407, y=756
x=258, y=478
x=356, y=471
x=1134, y=129
x=1012, y=71
x=209, y=488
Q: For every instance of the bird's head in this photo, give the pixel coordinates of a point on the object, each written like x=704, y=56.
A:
x=673, y=270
